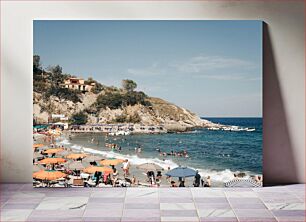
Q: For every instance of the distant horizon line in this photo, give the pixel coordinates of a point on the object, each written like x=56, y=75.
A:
x=231, y=116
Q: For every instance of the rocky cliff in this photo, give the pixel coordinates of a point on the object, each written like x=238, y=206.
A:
x=158, y=112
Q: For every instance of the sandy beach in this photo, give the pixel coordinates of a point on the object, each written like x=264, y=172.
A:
x=140, y=176
x=69, y=153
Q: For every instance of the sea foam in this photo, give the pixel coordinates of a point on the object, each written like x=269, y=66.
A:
x=216, y=176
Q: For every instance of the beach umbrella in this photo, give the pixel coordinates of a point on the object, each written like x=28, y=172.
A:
x=37, y=168
x=52, y=161
x=76, y=156
x=37, y=145
x=181, y=172
x=92, y=158
x=111, y=162
x=48, y=175
x=93, y=169
x=149, y=166
x=75, y=165
x=37, y=155
x=245, y=183
x=53, y=150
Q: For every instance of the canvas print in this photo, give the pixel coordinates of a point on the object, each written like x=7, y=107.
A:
x=135, y=103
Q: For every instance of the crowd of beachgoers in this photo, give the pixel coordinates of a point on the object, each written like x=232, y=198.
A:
x=55, y=165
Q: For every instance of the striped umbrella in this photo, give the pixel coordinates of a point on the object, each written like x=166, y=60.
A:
x=245, y=183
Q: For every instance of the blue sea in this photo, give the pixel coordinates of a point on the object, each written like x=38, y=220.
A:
x=215, y=153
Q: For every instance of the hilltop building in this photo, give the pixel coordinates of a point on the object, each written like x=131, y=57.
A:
x=78, y=84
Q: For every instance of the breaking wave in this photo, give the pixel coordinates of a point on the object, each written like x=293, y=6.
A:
x=216, y=176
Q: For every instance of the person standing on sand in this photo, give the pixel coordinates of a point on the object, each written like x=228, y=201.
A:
x=114, y=177
x=134, y=181
x=208, y=182
x=173, y=184
x=197, y=179
x=126, y=167
x=182, y=183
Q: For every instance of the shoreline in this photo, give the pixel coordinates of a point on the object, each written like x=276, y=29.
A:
x=216, y=175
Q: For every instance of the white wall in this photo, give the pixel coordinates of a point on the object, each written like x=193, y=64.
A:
x=284, y=79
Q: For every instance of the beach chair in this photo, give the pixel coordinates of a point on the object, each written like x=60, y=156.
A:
x=91, y=183
x=59, y=185
x=78, y=182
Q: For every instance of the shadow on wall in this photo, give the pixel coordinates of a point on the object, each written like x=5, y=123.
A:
x=278, y=160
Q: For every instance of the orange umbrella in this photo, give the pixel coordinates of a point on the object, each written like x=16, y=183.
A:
x=112, y=162
x=48, y=175
x=53, y=150
x=37, y=145
x=76, y=156
x=52, y=160
x=93, y=169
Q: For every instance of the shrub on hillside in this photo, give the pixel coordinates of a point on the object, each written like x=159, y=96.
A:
x=110, y=100
x=79, y=118
x=97, y=88
x=121, y=118
x=63, y=93
x=39, y=86
x=135, y=118
x=115, y=100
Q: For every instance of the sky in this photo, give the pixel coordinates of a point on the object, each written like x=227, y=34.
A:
x=212, y=68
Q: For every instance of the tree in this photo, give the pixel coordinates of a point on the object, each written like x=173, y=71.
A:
x=56, y=75
x=79, y=118
x=110, y=100
x=97, y=88
x=90, y=80
x=129, y=85
x=37, y=70
x=36, y=62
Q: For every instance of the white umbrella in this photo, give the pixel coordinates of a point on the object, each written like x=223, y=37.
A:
x=64, y=153
x=37, y=168
x=75, y=165
x=149, y=166
x=37, y=155
x=92, y=158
